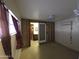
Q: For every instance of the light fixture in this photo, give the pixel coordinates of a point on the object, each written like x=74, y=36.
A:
x=51, y=17
x=76, y=12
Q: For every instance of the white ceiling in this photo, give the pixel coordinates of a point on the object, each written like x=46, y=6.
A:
x=41, y=9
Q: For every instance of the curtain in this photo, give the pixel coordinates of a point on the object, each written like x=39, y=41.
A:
x=18, y=34
x=4, y=31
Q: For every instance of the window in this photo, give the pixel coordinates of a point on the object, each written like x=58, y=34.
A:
x=11, y=25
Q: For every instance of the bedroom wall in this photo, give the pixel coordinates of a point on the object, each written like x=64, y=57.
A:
x=65, y=36
x=12, y=5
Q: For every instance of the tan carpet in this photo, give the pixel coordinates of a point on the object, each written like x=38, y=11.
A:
x=48, y=51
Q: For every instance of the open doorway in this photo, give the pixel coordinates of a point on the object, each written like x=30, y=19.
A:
x=37, y=33
x=45, y=32
x=34, y=33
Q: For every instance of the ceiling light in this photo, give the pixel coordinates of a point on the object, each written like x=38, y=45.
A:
x=51, y=17
x=76, y=12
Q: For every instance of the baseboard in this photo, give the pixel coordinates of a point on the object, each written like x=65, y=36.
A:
x=67, y=47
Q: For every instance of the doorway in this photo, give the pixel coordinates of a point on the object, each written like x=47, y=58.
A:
x=37, y=33
x=45, y=32
x=34, y=33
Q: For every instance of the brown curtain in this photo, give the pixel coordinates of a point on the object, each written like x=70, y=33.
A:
x=4, y=31
x=18, y=34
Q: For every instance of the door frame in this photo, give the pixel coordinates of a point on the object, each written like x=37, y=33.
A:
x=45, y=35
x=31, y=20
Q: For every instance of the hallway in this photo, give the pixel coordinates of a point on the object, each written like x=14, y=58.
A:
x=48, y=51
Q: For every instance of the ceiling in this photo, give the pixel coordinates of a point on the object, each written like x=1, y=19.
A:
x=41, y=9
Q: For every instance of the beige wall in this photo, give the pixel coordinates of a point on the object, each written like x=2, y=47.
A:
x=13, y=45
x=12, y=5
x=63, y=33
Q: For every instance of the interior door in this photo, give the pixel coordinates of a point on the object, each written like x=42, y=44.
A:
x=42, y=32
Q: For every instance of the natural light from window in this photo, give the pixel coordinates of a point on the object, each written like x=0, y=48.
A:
x=12, y=30
x=11, y=25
